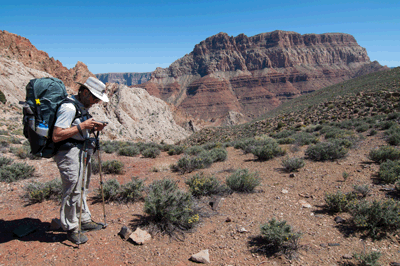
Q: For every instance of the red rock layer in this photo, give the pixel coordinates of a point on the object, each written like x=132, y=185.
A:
x=256, y=74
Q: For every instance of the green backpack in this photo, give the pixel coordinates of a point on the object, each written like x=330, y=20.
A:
x=43, y=98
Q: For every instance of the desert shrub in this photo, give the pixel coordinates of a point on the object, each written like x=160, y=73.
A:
x=188, y=164
x=335, y=133
x=292, y=164
x=288, y=140
x=392, y=135
x=397, y=186
x=151, y=152
x=324, y=151
x=194, y=150
x=211, y=145
x=112, y=167
x=304, y=138
x=111, y=189
x=131, y=151
x=362, y=190
x=377, y=217
x=5, y=161
x=362, y=127
x=384, y=153
x=283, y=134
x=372, y=132
x=132, y=190
x=3, y=132
x=176, y=150
x=339, y=202
x=385, y=125
x=16, y=171
x=21, y=152
x=205, y=185
x=389, y=171
x=95, y=166
x=393, y=139
x=268, y=150
x=243, y=181
x=38, y=192
x=110, y=146
x=149, y=145
x=278, y=235
x=368, y=259
x=249, y=142
x=218, y=154
x=4, y=146
x=169, y=207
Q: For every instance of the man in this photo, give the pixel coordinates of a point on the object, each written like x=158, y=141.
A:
x=71, y=129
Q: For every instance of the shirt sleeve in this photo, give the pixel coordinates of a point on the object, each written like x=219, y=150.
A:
x=65, y=115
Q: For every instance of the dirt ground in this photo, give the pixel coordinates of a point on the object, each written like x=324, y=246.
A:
x=322, y=241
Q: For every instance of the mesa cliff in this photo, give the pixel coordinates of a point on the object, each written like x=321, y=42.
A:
x=127, y=79
x=248, y=76
x=15, y=47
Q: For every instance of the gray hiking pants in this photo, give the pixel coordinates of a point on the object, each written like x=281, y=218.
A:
x=70, y=164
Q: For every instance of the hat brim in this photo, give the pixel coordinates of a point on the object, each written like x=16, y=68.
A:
x=102, y=96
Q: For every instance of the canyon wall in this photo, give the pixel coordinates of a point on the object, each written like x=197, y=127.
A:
x=252, y=75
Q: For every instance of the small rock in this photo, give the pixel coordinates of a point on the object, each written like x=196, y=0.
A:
x=201, y=257
x=292, y=175
x=305, y=204
x=323, y=245
x=228, y=220
x=242, y=230
x=394, y=264
x=333, y=244
x=339, y=220
x=140, y=236
x=285, y=191
x=347, y=256
x=125, y=232
x=55, y=224
x=304, y=195
x=216, y=203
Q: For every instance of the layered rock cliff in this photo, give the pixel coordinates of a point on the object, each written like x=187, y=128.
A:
x=18, y=48
x=252, y=75
x=128, y=79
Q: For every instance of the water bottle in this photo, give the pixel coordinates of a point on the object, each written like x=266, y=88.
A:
x=42, y=129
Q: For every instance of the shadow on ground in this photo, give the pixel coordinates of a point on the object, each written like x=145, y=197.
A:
x=28, y=229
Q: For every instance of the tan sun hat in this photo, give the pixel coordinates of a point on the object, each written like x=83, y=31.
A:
x=97, y=88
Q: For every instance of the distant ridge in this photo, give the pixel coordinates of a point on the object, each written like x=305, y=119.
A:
x=128, y=79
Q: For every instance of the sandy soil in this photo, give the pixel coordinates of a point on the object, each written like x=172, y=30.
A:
x=322, y=242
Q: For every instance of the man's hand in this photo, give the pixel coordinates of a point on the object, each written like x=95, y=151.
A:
x=92, y=124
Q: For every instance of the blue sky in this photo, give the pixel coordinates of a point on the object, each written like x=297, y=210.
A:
x=138, y=36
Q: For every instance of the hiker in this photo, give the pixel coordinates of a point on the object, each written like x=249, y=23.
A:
x=70, y=132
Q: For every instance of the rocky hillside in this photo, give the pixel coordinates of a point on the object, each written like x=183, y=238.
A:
x=132, y=112
x=20, y=49
x=366, y=97
x=128, y=79
x=252, y=75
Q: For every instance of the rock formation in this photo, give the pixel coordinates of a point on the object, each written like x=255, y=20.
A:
x=128, y=79
x=252, y=75
x=13, y=78
x=18, y=48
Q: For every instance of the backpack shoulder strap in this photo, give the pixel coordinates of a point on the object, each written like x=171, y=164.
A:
x=79, y=112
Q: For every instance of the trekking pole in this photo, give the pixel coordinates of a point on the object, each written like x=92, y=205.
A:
x=101, y=177
x=82, y=190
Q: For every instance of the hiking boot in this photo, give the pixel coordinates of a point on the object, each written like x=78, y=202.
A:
x=91, y=226
x=73, y=236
